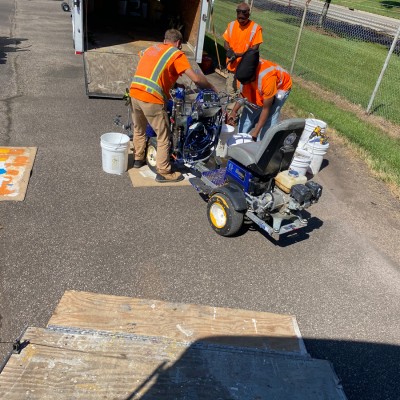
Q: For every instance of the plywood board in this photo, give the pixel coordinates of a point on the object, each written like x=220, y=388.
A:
x=108, y=74
x=15, y=169
x=144, y=177
x=110, y=66
x=177, y=321
x=74, y=365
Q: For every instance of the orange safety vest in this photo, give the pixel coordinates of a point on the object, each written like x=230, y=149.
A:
x=152, y=76
x=241, y=38
x=270, y=79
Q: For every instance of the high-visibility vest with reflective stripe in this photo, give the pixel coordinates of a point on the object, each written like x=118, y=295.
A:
x=150, y=68
x=252, y=32
x=280, y=71
x=241, y=39
x=265, y=68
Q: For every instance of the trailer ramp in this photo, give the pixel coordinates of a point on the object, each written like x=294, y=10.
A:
x=108, y=347
x=110, y=67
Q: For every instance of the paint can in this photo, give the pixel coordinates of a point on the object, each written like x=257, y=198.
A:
x=114, y=151
x=227, y=132
x=301, y=162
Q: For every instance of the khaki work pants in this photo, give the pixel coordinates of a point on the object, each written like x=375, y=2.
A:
x=157, y=117
x=231, y=83
x=231, y=89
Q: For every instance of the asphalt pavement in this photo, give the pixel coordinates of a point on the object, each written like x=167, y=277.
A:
x=80, y=228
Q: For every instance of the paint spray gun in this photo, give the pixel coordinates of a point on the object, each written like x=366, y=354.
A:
x=317, y=132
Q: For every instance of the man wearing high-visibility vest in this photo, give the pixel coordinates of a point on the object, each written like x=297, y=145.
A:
x=240, y=36
x=266, y=86
x=158, y=70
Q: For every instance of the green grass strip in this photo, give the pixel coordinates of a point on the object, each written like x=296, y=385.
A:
x=347, y=66
x=381, y=151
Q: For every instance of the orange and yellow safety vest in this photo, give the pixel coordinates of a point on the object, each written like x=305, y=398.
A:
x=158, y=69
x=271, y=78
x=241, y=38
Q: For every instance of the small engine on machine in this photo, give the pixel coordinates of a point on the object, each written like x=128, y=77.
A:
x=258, y=184
x=279, y=197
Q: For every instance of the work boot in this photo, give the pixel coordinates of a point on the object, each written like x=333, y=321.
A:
x=139, y=163
x=169, y=177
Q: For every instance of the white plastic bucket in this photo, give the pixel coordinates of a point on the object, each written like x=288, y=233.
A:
x=317, y=151
x=301, y=162
x=227, y=132
x=114, y=152
x=311, y=124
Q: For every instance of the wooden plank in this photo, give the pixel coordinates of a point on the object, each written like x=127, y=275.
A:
x=108, y=74
x=110, y=66
x=144, y=177
x=57, y=365
x=16, y=164
x=177, y=321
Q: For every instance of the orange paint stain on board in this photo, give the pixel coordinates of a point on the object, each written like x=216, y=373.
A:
x=13, y=172
x=11, y=161
x=4, y=190
x=13, y=151
x=18, y=161
x=15, y=165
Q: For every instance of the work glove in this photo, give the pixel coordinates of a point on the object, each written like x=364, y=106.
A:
x=230, y=54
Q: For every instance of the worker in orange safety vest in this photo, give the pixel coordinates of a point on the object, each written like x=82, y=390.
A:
x=240, y=35
x=266, y=86
x=158, y=69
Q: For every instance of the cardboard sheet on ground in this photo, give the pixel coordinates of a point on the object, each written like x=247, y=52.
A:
x=142, y=177
x=15, y=169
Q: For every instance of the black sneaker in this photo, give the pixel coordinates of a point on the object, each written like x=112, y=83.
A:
x=139, y=163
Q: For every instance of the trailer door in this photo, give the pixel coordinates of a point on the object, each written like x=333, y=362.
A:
x=77, y=25
x=202, y=30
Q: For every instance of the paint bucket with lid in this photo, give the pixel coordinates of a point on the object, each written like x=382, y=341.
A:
x=227, y=132
x=114, y=152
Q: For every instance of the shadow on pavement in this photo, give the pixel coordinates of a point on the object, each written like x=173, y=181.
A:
x=9, y=45
x=365, y=370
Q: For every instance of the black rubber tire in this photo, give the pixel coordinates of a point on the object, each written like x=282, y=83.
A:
x=222, y=216
x=151, y=154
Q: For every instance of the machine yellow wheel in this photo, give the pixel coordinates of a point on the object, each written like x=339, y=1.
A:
x=151, y=154
x=224, y=219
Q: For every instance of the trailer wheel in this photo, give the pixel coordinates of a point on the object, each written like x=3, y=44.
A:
x=151, y=154
x=223, y=218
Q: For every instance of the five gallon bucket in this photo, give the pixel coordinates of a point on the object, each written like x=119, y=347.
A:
x=301, y=162
x=311, y=124
x=317, y=151
x=114, y=152
x=226, y=133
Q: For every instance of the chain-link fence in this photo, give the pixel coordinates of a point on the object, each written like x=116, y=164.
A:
x=354, y=55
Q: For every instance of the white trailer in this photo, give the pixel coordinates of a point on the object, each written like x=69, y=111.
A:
x=110, y=33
